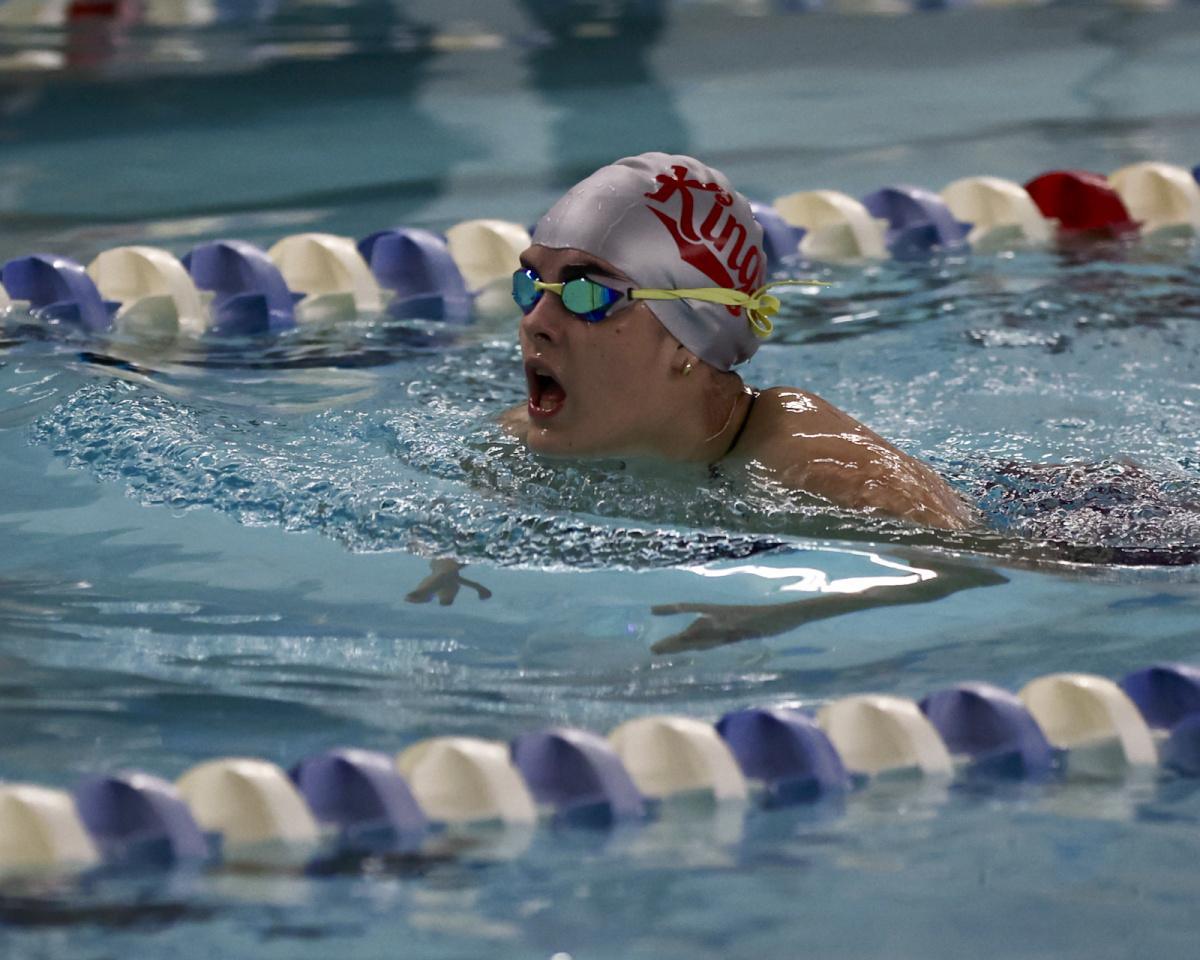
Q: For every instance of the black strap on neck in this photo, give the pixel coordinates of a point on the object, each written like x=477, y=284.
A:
x=741, y=429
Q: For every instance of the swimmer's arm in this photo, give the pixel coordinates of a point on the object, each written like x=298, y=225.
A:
x=808, y=444
x=888, y=482
x=719, y=624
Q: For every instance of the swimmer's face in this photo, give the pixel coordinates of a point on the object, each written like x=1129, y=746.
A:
x=595, y=389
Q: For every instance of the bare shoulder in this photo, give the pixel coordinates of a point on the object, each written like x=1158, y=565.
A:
x=792, y=429
x=515, y=420
x=809, y=444
x=794, y=409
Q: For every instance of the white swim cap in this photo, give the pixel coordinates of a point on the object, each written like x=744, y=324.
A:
x=670, y=222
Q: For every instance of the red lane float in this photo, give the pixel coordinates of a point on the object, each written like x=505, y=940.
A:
x=1081, y=202
x=412, y=273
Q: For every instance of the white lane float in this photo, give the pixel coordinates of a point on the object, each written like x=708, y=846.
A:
x=837, y=227
x=154, y=289
x=263, y=820
x=1159, y=196
x=1002, y=214
x=486, y=250
x=876, y=734
x=667, y=755
x=462, y=780
x=487, y=253
x=40, y=829
x=334, y=278
x=1092, y=719
x=254, y=806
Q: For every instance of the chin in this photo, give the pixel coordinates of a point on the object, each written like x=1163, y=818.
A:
x=549, y=442
x=557, y=442
x=548, y=445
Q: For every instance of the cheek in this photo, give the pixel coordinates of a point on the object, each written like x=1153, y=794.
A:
x=625, y=391
x=637, y=344
x=625, y=365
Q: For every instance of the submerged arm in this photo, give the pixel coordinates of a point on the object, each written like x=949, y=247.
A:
x=719, y=624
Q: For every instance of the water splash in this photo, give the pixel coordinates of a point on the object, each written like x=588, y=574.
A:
x=1058, y=394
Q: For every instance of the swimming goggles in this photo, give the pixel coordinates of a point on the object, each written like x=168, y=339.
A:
x=592, y=301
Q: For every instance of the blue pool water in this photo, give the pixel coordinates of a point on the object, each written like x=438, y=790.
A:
x=207, y=553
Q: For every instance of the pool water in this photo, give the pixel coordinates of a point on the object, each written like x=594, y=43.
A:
x=208, y=550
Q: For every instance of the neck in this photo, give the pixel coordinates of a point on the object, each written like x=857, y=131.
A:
x=711, y=411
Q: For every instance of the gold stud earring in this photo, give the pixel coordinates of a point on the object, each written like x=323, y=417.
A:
x=687, y=368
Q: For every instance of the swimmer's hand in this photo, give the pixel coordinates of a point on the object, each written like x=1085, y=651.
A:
x=719, y=624
x=444, y=582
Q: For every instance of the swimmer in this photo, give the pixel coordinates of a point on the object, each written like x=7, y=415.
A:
x=642, y=290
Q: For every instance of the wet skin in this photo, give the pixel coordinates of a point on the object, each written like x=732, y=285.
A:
x=718, y=624
x=618, y=398
x=808, y=444
x=618, y=387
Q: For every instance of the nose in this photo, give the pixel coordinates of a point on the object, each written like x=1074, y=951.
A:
x=544, y=323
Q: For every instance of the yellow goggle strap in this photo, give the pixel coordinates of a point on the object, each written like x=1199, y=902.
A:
x=760, y=306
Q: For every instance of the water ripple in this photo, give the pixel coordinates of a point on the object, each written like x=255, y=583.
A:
x=1059, y=393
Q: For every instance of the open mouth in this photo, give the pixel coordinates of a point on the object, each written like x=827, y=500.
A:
x=546, y=395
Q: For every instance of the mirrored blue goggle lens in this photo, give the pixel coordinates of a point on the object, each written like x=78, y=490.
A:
x=524, y=292
x=588, y=299
x=584, y=298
